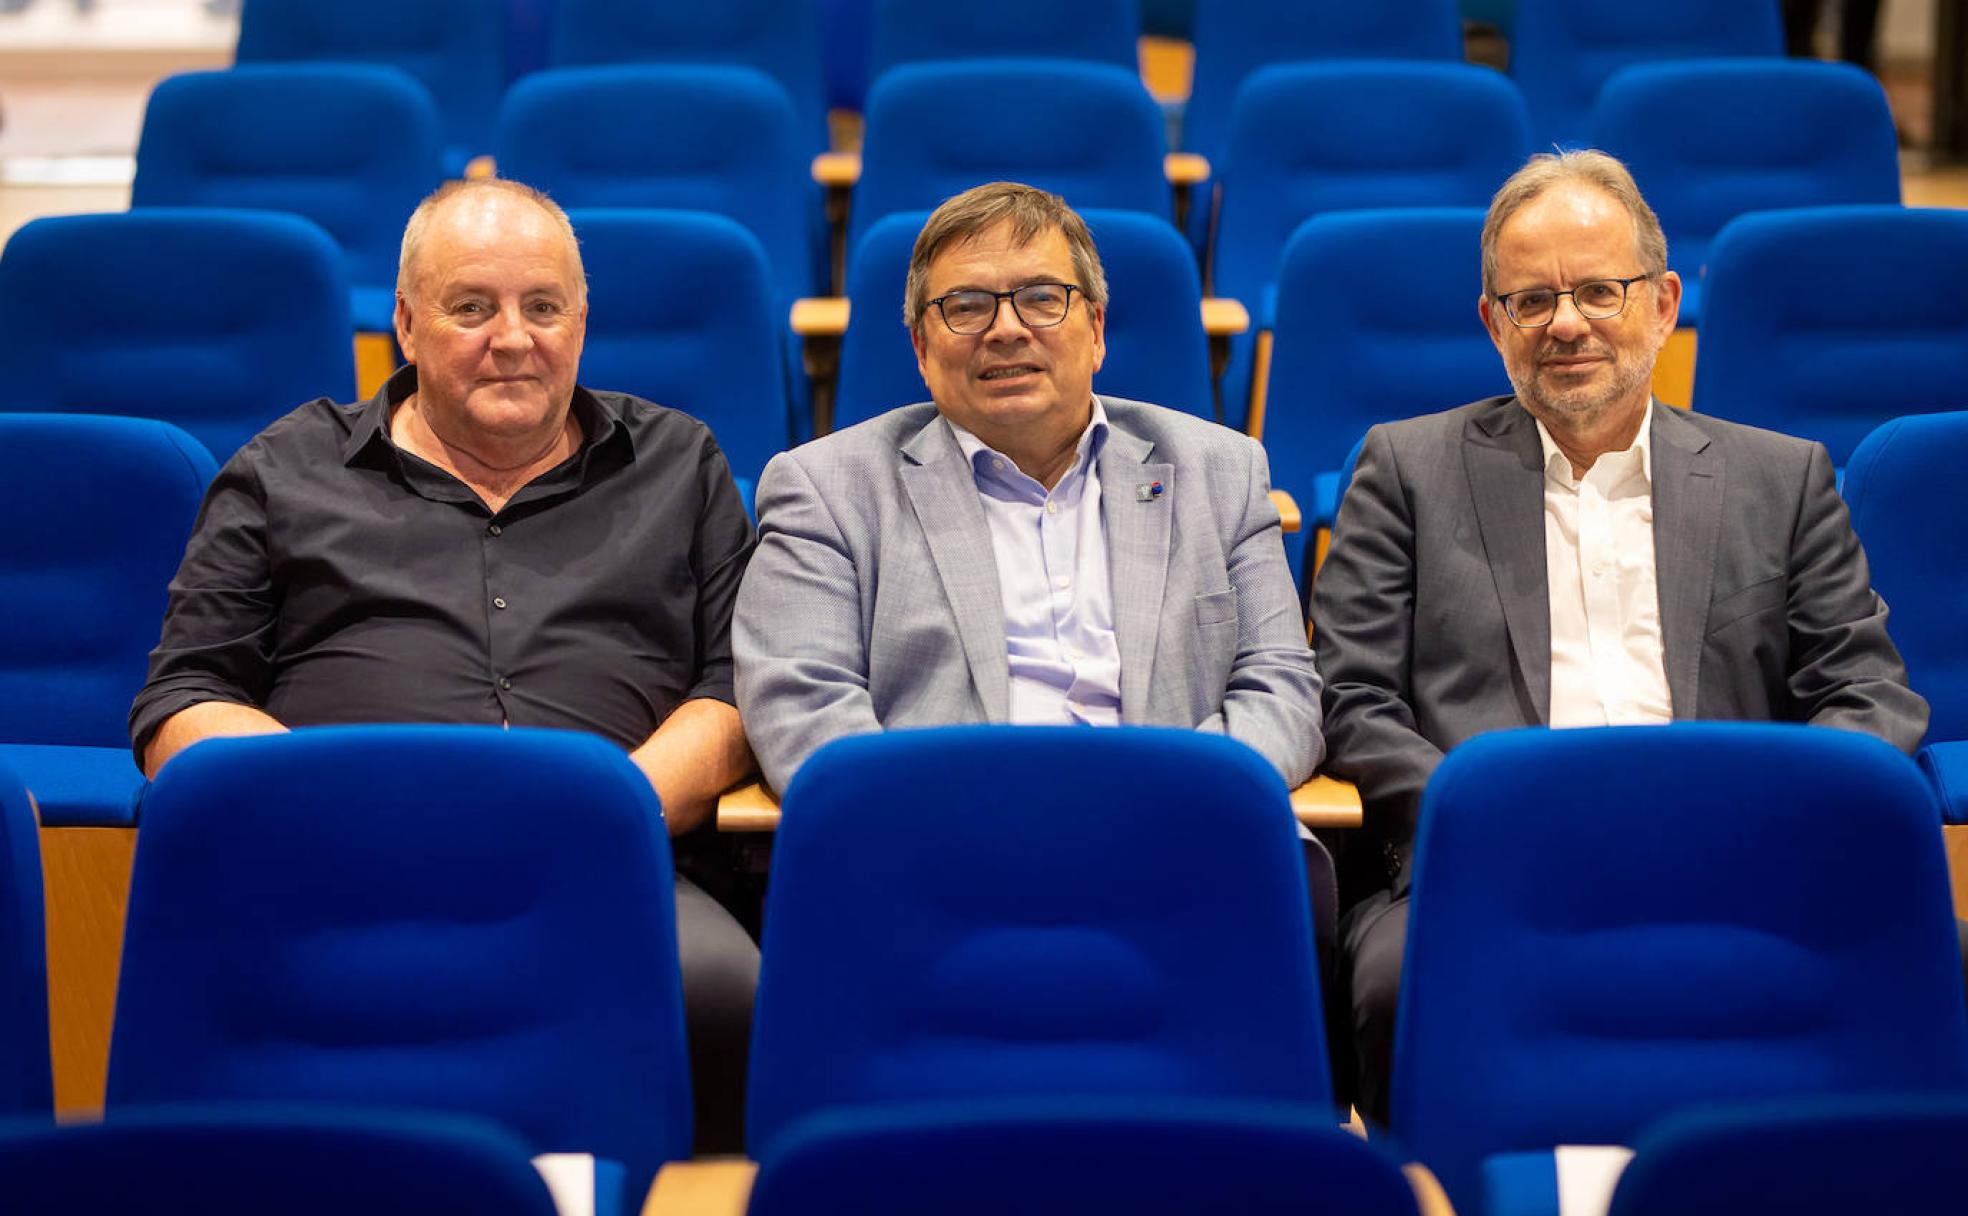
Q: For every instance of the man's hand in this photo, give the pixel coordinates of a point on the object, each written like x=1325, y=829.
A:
x=696, y=754
x=205, y=720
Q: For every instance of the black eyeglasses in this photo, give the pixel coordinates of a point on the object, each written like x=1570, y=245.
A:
x=1535, y=307
x=1037, y=306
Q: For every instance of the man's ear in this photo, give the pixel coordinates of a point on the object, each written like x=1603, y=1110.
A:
x=1488, y=309
x=1667, y=302
x=404, y=341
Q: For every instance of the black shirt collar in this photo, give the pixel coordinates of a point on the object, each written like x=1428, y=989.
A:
x=602, y=430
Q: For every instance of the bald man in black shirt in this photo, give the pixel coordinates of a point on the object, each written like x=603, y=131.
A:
x=484, y=541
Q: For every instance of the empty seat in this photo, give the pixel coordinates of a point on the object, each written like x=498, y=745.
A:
x=1079, y=939
x=455, y=48
x=96, y=516
x=353, y=147
x=216, y=321
x=1712, y=139
x=1095, y=31
x=1814, y=323
x=26, y=1084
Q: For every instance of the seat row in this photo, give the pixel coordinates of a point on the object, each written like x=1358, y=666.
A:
x=479, y=920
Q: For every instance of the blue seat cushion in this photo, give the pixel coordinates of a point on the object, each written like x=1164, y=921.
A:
x=1946, y=765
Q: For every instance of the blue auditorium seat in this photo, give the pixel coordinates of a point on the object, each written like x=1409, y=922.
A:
x=1907, y=499
x=1414, y=135
x=1809, y=1157
x=249, y=1158
x=1088, y=132
x=1712, y=139
x=1234, y=38
x=1059, y=912
x=97, y=512
x=681, y=312
x=240, y=317
x=1156, y=348
x=417, y=917
x=353, y=147
x=26, y=1084
x=1820, y=321
x=1092, y=31
x=1561, y=51
x=1615, y=923
x=778, y=37
x=1376, y=321
x=1067, y=1157
x=455, y=48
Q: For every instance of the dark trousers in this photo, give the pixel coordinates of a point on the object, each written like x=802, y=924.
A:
x=720, y=976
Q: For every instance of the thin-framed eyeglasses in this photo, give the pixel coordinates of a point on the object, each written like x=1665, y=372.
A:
x=1037, y=306
x=1597, y=300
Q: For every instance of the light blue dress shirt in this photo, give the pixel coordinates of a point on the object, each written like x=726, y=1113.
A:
x=1051, y=551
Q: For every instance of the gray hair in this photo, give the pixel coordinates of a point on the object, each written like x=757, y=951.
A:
x=420, y=220
x=1593, y=168
x=1029, y=210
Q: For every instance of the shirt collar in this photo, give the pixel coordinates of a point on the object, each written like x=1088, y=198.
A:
x=1636, y=457
x=600, y=419
x=1092, y=440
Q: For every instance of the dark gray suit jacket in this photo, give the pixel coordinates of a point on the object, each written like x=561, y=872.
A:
x=872, y=600
x=1432, y=618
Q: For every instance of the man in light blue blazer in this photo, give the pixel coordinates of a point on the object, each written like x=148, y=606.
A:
x=1020, y=550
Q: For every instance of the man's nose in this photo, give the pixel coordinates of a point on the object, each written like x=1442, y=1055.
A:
x=1568, y=324
x=1006, y=324
x=509, y=330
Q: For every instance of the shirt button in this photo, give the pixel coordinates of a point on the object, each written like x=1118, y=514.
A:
x=1063, y=582
x=998, y=465
x=505, y=684
x=1052, y=508
x=498, y=601
x=495, y=529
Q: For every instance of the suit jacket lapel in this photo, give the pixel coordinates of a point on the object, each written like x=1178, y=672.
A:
x=1503, y=460
x=1687, y=525
x=943, y=493
x=1137, y=556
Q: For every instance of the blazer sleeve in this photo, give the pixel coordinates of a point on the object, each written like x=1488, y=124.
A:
x=802, y=666
x=1845, y=670
x=1363, y=607
x=1271, y=700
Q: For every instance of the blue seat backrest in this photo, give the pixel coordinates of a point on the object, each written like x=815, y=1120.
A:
x=1088, y=132
x=723, y=139
x=455, y=48
x=1737, y=910
x=1049, y=931
x=241, y=317
x=1095, y=31
x=1713, y=139
x=353, y=147
x=96, y=517
x=1908, y=502
x=490, y=930
x=1562, y=52
x=1809, y=325
x=681, y=312
x=26, y=1082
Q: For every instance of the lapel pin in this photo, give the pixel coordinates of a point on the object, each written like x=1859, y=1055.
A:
x=1148, y=491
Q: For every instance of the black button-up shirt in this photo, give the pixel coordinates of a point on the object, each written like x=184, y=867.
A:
x=333, y=577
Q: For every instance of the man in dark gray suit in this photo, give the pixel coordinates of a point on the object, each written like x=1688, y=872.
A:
x=1575, y=554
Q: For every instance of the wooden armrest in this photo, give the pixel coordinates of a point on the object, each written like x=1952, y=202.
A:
x=701, y=1188
x=837, y=170
x=1289, y=516
x=820, y=316
x=1430, y=1198
x=749, y=808
x=1185, y=168
x=1327, y=802
x=1223, y=316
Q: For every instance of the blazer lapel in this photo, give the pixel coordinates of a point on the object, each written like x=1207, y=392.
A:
x=1502, y=458
x=943, y=493
x=1687, y=525
x=1137, y=529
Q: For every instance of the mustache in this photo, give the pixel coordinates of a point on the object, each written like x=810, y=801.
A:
x=1587, y=345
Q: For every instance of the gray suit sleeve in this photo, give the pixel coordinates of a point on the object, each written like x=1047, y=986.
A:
x=1845, y=670
x=1363, y=632
x=802, y=668
x=1272, y=699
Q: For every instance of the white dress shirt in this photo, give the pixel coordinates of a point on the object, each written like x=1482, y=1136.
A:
x=1606, y=666
x=1051, y=551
